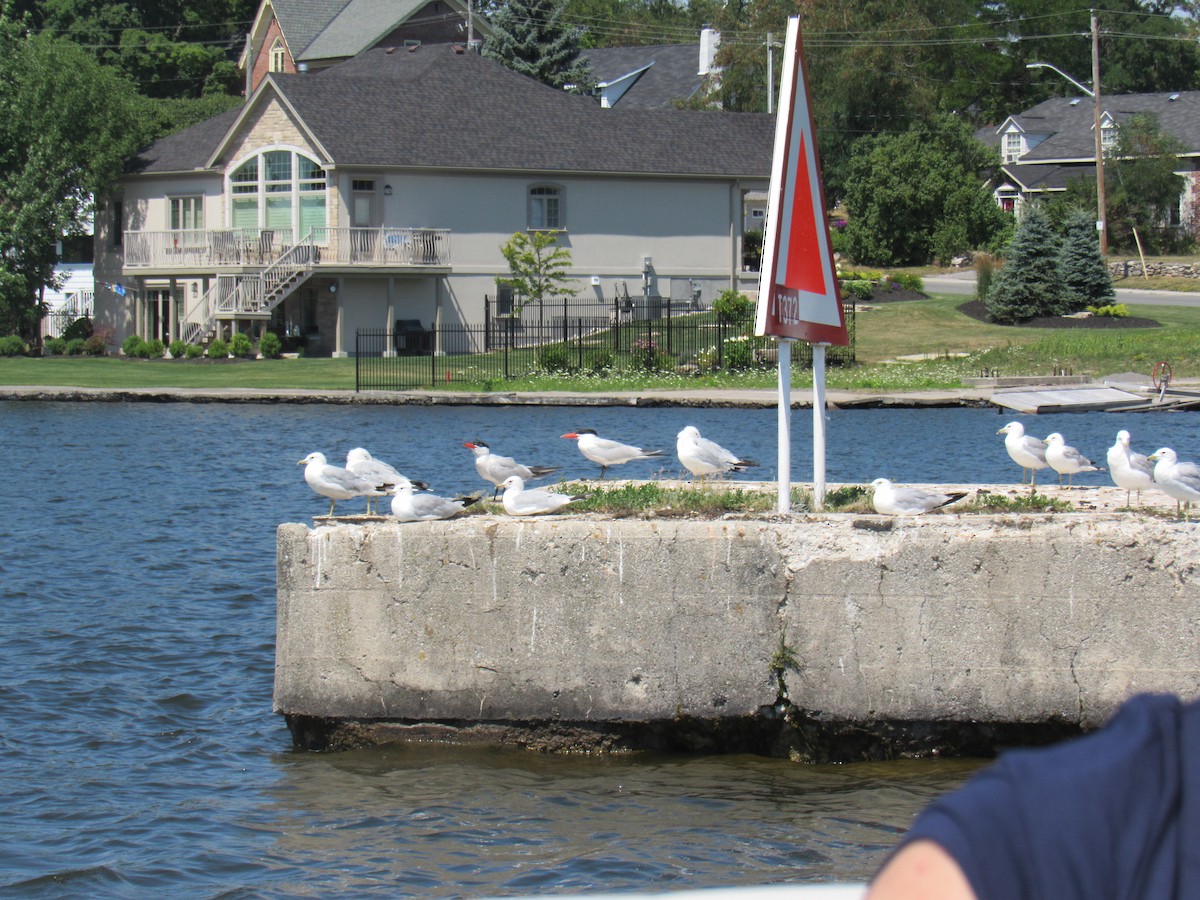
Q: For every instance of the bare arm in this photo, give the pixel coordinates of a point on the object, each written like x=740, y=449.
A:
x=921, y=871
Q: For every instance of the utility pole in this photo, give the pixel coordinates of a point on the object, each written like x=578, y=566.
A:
x=1102, y=215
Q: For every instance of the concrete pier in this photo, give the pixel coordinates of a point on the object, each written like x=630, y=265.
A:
x=824, y=636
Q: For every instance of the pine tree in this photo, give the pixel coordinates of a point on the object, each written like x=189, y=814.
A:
x=529, y=37
x=1029, y=285
x=1085, y=279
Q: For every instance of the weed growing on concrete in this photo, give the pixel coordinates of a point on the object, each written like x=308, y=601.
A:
x=988, y=502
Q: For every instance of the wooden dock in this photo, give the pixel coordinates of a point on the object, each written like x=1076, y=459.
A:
x=1107, y=397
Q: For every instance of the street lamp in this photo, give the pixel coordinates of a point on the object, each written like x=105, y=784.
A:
x=1094, y=93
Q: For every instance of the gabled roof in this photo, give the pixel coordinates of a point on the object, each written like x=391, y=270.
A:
x=303, y=20
x=1046, y=177
x=435, y=108
x=359, y=24
x=667, y=73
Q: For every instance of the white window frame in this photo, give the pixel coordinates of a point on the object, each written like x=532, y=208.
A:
x=278, y=60
x=545, y=209
x=293, y=186
x=185, y=212
x=1013, y=146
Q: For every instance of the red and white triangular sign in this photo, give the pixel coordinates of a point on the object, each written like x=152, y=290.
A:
x=798, y=293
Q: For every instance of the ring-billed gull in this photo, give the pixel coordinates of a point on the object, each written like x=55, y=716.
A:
x=1025, y=450
x=607, y=452
x=1129, y=470
x=702, y=457
x=376, y=471
x=410, y=507
x=1065, y=459
x=1180, y=480
x=520, y=502
x=894, y=500
x=334, y=482
x=495, y=469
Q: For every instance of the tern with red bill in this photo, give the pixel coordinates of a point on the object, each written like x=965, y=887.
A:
x=702, y=457
x=605, y=452
x=408, y=506
x=495, y=468
x=521, y=502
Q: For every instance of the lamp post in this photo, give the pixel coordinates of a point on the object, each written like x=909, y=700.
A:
x=1094, y=93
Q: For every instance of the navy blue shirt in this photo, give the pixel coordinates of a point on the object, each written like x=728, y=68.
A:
x=1113, y=814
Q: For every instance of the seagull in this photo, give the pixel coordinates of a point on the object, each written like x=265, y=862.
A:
x=410, y=507
x=891, y=500
x=1026, y=451
x=495, y=468
x=605, y=452
x=701, y=456
x=1180, y=480
x=520, y=502
x=365, y=466
x=334, y=482
x=1129, y=470
x=1065, y=459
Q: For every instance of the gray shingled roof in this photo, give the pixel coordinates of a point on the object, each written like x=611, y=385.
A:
x=1048, y=176
x=434, y=108
x=673, y=73
x=360, y=24
x=302, y=20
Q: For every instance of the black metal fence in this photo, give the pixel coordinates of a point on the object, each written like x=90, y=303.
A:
x=643, y=334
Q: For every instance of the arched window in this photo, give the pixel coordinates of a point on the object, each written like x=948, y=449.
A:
x=281, y=190
x=545, y=207
x=278, y=56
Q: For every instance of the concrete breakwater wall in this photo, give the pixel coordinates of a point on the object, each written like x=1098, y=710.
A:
x=823, y=637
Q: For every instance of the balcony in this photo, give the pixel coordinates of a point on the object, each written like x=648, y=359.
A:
x=237, y=250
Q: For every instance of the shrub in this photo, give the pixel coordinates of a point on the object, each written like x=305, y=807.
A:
x=240, y=345
x=554, y=358
x=75, y=346
x=154, y=349
x=132, y=346
x=985, y=268
x=96, y=345
x=733, y=307
x=908, y=281
x=1114, y=311
x=599, y=362
x=739, y=352
x=54, y=346
x=11, y=346
x=218, y=349
x=858, y=289
x=752, y=250
x=193, y=351
x=80, y=328
x=269, y=345
x=177, y=348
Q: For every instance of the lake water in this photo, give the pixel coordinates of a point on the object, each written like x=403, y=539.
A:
x=139, y=755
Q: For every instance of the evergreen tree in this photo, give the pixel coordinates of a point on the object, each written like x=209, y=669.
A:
x=1085, y=278
x=530, y=37
x=1029, y=284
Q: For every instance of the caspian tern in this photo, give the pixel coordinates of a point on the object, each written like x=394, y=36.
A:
x=1065, y=459
x=1180, y=480
x=1025, y=450
x=1129, y=470
x=334, y=482
x=520, y=502
x=376, y=471
x=893, y=500
x=495, y=468
x=410, y=507
x=605, y=452
x=701, y=456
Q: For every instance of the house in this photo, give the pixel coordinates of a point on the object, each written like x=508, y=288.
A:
x=382, y=189
x=289, y=36
x=653, y=77
x=1045, y=147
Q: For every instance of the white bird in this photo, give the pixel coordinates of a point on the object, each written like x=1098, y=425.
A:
x=410, y=507
x=496, y=469
x=1025, y=450
x=334, y=482
x=606, y=452
x=376, y=471
x=893, y=500
x=1065, y=459
x=701, y=456
x=1180, y=480
x=520, y=502
x=1129, y=470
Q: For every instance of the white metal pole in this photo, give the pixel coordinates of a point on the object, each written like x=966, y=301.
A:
x=818, y=351
x=784, y=428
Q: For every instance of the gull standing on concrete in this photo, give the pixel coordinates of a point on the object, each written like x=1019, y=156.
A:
x=376, y=471
x=410, y=507
x=701, y=456
x=334, y=482
x=1025, y=450
x=893, y=500
x=606, y=452
x=496, y=469
x=1180, y=480
x=1065, y=459
x=1128, y=469
x=520, y=502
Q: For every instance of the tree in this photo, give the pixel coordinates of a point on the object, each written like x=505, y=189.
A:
x=539, y=267
x=67, y=128
x=918, y=195
x=1029, y=284
x=1142, y=185
x=530, y=37
x=1086, y=280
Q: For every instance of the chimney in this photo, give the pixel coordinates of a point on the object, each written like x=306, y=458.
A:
x=710, y=40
